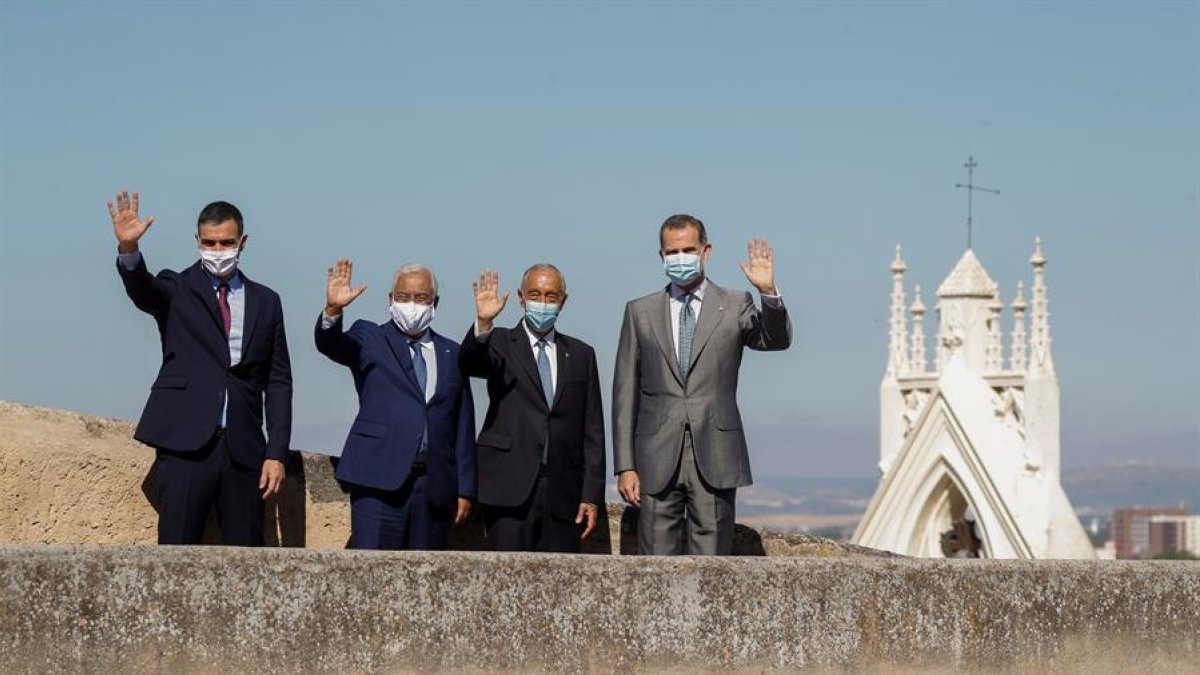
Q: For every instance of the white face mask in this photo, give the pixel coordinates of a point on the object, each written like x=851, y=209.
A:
x=220, y=263
x=412, y=318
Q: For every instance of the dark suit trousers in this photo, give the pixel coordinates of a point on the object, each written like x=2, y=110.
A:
x=398, y=520
x=689, y=516
x=531, y=526
x=190, y=484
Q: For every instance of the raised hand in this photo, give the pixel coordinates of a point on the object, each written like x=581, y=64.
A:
x=760, y=269
x=488, y=302
x=126, y=224
x=338, y=291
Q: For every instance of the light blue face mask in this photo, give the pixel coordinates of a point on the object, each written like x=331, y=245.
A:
x=682, y=268
x=540, y=315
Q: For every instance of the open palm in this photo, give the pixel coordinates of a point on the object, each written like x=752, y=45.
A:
x=338, y=290
x=760, y=268
x=128, y=227
x=488, y=302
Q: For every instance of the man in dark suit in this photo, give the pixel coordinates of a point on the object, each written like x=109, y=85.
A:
x=541, y=449
x=225, y=359
x=410, y=457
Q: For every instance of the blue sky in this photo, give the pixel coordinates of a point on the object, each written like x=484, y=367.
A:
x=466, y=135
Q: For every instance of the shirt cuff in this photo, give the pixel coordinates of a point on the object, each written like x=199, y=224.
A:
x=328, y=321
x=482, y=336
x=129, y=260
x=772, y=301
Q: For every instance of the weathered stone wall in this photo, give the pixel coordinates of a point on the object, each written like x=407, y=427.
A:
x=213, y=609
x=67, y=478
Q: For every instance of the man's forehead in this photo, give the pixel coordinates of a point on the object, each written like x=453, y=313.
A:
x=417, y=279
x=543, y=278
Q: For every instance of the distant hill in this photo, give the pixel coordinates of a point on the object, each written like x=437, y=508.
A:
x=1103, y=489
x=1096, y=490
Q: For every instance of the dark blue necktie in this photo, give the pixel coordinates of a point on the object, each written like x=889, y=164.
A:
x=418, y=359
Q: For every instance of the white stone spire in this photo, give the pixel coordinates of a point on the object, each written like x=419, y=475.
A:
x=1041, y=362
x=994, y=356
x=917, y=360
x=1019, y=362
x=898, y=335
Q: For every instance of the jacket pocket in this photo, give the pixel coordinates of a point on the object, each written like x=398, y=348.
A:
x=495, y=439
x=729, y=421
x=369, y=429
x=170, y=382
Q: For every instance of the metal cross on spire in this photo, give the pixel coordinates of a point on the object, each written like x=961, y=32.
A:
x=972, y=188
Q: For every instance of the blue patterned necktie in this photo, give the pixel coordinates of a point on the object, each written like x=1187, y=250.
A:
x=544, y=371
x=418, y=359
x=687, y=330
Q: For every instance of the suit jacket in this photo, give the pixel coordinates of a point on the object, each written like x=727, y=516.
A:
x=184, y=408
x=393, y=414
x=652, y=405
x=519, y=421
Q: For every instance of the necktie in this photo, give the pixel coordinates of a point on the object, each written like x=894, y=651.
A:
x=223, y=303
x=418, y=359
x=687, y=330
x=544, y=370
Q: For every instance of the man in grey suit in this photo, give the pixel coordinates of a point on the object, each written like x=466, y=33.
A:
x=679, y=449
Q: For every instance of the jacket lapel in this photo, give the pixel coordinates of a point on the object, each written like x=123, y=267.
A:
x=201, y=284
x=249, y=310
x=712, y=308
x=524, y=356
x=562, y=356
x=441, y=348
x=399, y=343
x=660, y=323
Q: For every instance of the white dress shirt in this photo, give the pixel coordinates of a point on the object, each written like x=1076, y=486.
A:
x=237, y=313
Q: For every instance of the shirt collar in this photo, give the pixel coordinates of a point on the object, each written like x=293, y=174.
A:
x=426, y=339
x=549, y=337
x=677, y=293
x=235, y=282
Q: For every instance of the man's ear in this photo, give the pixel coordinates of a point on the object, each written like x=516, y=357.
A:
x=436, y=300
x=562, y=303
x=706, y=252
x=242, y=246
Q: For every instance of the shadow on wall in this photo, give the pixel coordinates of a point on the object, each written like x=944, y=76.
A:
x=285, y=519
x=284, y=522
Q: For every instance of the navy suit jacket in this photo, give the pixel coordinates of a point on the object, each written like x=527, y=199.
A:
x=518, y=421
x=392, y=412
x=184, y=408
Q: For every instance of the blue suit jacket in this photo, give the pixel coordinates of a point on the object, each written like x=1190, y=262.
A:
x=392, y=412
x=184, y=407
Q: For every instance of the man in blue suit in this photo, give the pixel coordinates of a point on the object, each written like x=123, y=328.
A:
x=410, y=457
x=224, y=360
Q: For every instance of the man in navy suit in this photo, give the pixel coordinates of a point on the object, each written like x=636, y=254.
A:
x=410, y=457
x=224, y=360
x=541, y=449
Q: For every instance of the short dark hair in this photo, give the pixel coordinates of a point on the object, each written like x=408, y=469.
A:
x=680, y=221
x=219, y=212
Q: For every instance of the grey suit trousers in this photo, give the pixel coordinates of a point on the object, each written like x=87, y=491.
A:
x=688, y=517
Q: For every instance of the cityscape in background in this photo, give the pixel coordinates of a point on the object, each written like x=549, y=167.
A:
x=1130, y=511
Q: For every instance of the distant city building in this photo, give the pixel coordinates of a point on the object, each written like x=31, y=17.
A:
x=969, y=446
x=1140, y=533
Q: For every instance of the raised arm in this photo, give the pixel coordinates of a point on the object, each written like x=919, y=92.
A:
x=331, y=340
x=475, y=357
x=771, y=329
x=149, y=293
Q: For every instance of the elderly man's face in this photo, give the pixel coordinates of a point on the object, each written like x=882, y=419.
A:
x=414, y=287
x=543, y=286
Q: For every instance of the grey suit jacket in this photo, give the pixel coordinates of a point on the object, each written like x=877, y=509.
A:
x=651, y=404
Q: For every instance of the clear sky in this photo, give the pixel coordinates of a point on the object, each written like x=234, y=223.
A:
x=500, y=134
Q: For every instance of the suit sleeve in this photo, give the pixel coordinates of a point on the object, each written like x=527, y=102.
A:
x=768, y=330
x=335, y=343
x=279, y=393
x=149, y=293
x=593, y=441
x=464, y=444
x=475, y=355
x=626, y=386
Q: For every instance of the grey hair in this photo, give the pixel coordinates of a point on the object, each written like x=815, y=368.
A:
x=538, y=267
x=416, y=267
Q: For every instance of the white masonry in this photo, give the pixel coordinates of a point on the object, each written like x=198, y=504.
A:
x=976, y=439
